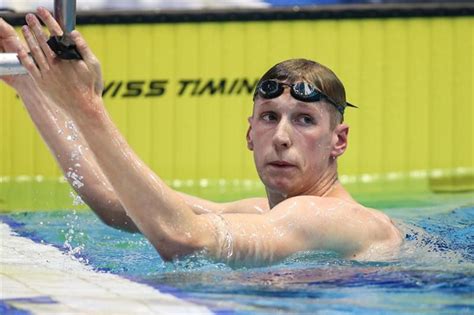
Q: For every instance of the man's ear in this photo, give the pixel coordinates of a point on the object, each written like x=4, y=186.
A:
x=249, y=136
x=339, y=145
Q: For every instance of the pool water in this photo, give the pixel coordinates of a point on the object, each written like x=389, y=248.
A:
x=433, y=275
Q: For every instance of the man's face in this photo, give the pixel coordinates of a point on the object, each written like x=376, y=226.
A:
x=293, y=143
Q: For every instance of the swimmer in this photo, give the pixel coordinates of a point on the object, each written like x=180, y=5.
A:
x=296, y=133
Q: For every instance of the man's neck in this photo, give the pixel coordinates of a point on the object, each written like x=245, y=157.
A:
x=327, y=186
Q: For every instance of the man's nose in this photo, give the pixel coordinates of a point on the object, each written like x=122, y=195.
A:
x=282, y=136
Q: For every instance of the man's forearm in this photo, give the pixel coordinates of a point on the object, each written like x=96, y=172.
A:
x=76, y=161
x=159, y=212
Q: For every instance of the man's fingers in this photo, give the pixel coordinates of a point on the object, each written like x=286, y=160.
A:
x=36, y=51
x=6, y=30
x=89, y=58
x=9, y=40
x=29, y=64
x=40, y=36
x=83, y=48
x=50, y=22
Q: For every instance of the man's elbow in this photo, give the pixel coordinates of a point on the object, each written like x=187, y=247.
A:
x=121, y=222
x=171, y=248
x=108, y=208
x=112, y=214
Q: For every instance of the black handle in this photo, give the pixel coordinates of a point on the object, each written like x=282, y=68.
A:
x=64, y=47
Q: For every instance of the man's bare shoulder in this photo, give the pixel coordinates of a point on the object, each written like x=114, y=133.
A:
x=296, y=204
x=343, y=225
x=316, y=203
x=335, y=205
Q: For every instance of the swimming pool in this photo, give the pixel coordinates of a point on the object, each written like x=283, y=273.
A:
x=434, y=273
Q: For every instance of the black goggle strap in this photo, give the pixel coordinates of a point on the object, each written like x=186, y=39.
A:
x=340, y=108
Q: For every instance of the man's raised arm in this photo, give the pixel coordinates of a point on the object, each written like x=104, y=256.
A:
x=66, y=143
x=158, y=211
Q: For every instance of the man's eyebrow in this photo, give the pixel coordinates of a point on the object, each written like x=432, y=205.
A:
x=307, y=105
x=265, y=103
x=300, y=104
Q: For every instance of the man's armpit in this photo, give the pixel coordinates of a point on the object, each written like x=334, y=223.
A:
x=249, y=206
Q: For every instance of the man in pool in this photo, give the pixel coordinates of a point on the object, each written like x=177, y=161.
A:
x=296, y=133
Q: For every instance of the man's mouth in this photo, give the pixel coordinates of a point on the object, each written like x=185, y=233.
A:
x=281, y=164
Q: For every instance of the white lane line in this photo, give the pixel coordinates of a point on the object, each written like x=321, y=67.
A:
x=29, y=270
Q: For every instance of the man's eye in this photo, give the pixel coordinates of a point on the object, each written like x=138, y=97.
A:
x=305, y=120
x=269, y=117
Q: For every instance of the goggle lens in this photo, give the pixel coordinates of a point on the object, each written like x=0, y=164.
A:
x=304, y=91
x=270, y=89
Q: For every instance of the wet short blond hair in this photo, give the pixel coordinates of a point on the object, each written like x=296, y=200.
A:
x=294, y=70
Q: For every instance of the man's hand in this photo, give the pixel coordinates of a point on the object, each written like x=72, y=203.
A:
x=10, y=43
x=70, y=84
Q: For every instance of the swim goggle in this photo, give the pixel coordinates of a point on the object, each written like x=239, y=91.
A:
x=302, y=91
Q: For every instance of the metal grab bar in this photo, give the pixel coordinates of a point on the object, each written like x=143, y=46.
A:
x=65, y=14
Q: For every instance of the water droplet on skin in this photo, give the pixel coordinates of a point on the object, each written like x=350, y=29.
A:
x=70, y=125
x=258, y=209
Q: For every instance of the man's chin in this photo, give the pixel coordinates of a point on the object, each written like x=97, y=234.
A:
x=284, y=186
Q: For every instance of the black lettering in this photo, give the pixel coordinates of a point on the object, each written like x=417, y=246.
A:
x=117, y=88
x=134, y=89
x=213, y=89
x=112, y=85
x=107, y=87
x=156, y=88
x=192, y=87
x=184, y=84
x=232, y=87
x=246, y=85
x=197, y=83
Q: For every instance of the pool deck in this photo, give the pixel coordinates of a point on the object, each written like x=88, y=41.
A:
x=40, y=279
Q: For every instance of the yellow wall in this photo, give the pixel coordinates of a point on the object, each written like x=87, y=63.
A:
x=412, y=79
